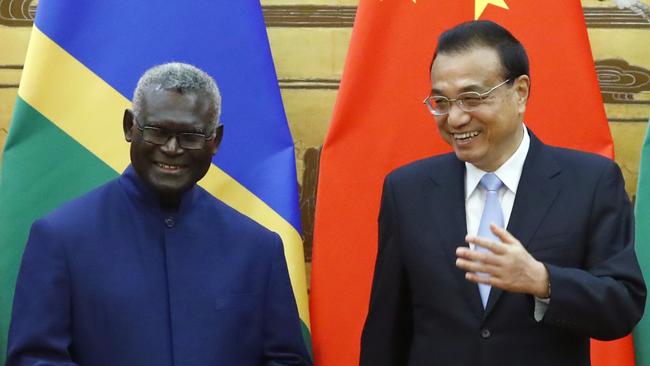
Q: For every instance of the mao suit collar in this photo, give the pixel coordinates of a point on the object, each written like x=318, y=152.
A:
x=140, y=192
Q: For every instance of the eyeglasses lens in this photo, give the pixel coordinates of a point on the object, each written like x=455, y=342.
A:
x=191, y=141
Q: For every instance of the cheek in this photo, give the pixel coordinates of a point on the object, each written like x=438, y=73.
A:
x=203, y=162
x=501, y=132
x=446, y=137
x=137, y=152
x=440, y=123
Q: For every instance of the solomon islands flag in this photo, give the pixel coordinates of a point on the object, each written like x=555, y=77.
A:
x=83, y=62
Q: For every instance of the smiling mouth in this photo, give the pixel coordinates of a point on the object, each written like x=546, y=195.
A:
x=169, y=167
x=465, y=136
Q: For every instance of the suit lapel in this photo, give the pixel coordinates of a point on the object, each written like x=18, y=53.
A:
x=448, y=199
x=536, y=192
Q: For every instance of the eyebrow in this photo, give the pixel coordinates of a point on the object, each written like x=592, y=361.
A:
x=468, y=88
x=183, y=130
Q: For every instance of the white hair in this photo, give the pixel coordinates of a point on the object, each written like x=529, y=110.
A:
x=180, y=77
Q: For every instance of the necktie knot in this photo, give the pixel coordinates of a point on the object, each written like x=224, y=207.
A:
x=491, y=182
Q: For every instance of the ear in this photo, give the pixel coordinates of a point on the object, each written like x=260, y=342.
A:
x=522, y=91
x=218, y=135
x=127, y=124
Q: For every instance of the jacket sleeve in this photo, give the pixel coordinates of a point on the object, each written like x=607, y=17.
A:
x=387, y=333
x=605, y=298
x=284, y=344
x=40, y=331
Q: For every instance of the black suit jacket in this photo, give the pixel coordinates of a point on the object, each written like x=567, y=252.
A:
x=571, y=212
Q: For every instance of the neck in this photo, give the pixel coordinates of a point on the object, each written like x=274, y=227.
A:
x=170, y=202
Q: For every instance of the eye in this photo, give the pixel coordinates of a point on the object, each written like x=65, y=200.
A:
x=438, y=101
x=154, y=135
x=193, y=137
x=470, y=99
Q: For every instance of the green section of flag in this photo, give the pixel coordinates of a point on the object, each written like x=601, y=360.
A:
x=306, y=336
x=41, y=168
x=642, y=213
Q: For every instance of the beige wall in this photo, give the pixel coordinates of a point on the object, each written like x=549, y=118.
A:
x=12, y=54
x=626, y=42
x=309, y=56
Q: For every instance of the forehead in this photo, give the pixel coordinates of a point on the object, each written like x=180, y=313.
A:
x=172, y=107
x=466, y=70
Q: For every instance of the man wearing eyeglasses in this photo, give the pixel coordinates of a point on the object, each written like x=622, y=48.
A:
x=452, y=286
x=150, y=269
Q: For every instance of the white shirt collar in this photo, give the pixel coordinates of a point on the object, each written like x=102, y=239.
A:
x=509, y=172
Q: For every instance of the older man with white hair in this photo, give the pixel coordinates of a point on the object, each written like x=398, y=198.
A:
x=150, y=269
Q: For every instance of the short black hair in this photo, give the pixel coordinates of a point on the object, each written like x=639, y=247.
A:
x=485, y=33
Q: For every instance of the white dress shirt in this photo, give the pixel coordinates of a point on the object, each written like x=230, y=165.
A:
x=509, y=173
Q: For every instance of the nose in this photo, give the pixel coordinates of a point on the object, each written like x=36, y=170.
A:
x=172, y=147
x=457, y=117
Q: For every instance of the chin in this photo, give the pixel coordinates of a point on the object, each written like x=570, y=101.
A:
x=171, y=188
x=462, y=155
x=467, y=158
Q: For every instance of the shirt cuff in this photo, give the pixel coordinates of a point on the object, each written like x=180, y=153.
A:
x=541, y=305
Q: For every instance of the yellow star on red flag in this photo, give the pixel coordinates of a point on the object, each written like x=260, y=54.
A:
x=480, y=5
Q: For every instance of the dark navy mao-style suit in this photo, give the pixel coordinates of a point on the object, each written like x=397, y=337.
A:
x=571, y=212
x=113, y=279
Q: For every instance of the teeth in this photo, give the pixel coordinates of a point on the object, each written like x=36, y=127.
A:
x=166, y=166
x=466, y=135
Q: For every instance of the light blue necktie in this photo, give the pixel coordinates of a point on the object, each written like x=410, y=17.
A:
x=492, y=214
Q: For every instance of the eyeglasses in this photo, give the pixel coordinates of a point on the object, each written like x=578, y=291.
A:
x=440, y=105
x=186, y=140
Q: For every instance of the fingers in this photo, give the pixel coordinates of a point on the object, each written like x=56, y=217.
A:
x=476, y=256
x=488, y=266
x=494, y=246
x=503, y=234
x=478, y=278
x=474, y=266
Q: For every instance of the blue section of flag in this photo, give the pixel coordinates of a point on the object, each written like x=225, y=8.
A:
x=119, y=40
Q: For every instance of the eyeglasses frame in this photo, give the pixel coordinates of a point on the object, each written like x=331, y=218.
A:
x=176, y=135
x=459, y=101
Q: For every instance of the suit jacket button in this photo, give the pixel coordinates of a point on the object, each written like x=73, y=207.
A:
x=485, y=333
x=169, y=222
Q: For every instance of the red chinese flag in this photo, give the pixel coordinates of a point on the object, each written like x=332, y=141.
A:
x=380, y=123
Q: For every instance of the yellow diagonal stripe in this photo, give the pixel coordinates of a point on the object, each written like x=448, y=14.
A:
x=90, y=111
x=238, y=197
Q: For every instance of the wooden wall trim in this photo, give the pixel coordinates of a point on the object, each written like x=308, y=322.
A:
x=20, y=13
